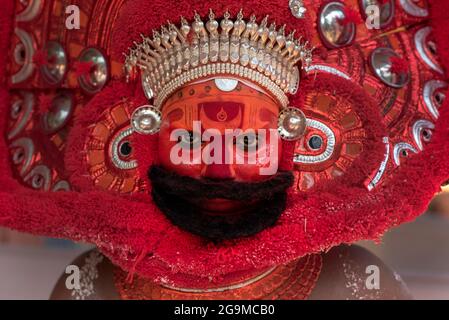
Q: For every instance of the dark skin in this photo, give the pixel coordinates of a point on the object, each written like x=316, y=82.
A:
x=342, y=278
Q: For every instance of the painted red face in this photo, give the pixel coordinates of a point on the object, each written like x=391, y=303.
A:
x=227, y=135
x=204, y=108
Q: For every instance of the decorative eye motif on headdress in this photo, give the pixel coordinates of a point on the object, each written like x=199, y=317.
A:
x=109, y=151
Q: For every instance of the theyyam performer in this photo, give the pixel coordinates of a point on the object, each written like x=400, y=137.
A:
x=222, y=149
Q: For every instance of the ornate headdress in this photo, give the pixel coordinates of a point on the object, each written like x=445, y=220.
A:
x=260, y=53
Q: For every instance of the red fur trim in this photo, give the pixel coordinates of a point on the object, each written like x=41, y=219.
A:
x=45, y=102
x=82, y=68
x=40, y=58
x=399, y=65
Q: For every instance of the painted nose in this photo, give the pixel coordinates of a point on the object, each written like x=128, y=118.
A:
x=219, y=169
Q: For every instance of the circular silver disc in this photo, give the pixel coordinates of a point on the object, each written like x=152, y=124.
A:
x=226, y=85
x=97, y=78
x=333, y=34
x=381, y=66
x=387, y=10
x=146, y=120
x=61, y=110
x=54, y=71
x=292, y=123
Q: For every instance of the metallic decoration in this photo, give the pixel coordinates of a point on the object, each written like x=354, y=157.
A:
x=418, y=129
x=116, y=156
x=226, y=288
x=294, y=81
x=402, y=148
x=31, y=11
x=226, y=84
x=39, y=178
x=292, y=123
x=21, y=112
x=54, y=71
x=26, y=61
x=387, y=10
x=432, y=97
x=146, y=120
x=425, y=47
x=19, y=54
x=221, y=68
x=327, y=69
x=330, y=146
x=61, y=185
x=146, y=85
x=97, y=78
x=333, y=34
x=414, y=9
x=381, y=65
x=257, y=52
x=383, y=166
x=297, y=8
x=60, y=112
x=22, y=154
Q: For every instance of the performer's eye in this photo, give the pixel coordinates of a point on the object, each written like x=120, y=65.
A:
x=247, y=142
x=189, y=140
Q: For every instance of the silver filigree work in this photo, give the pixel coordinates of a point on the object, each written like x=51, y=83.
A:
x=31, y=11
x=292, y=124
x=421, y=44
x=414, y=9
x=27, y=44
x=22, y=154
x=244, y=48
x=432, y=98
x=402, y=148
x=417, y=131
x=21, y=112
x=327, y=69
x=39, y=178
x=327, y=153
x=115, y=154
x=383, y=166
x=146, y=120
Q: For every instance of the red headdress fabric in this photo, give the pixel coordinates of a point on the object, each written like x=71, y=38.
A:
x=382, y=171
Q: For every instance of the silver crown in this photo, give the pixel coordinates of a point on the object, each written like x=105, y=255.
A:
x=260, y=53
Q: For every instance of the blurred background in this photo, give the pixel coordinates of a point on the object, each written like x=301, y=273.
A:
x=417, y=251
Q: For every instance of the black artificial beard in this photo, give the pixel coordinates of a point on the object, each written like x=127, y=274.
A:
x=169, y=191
